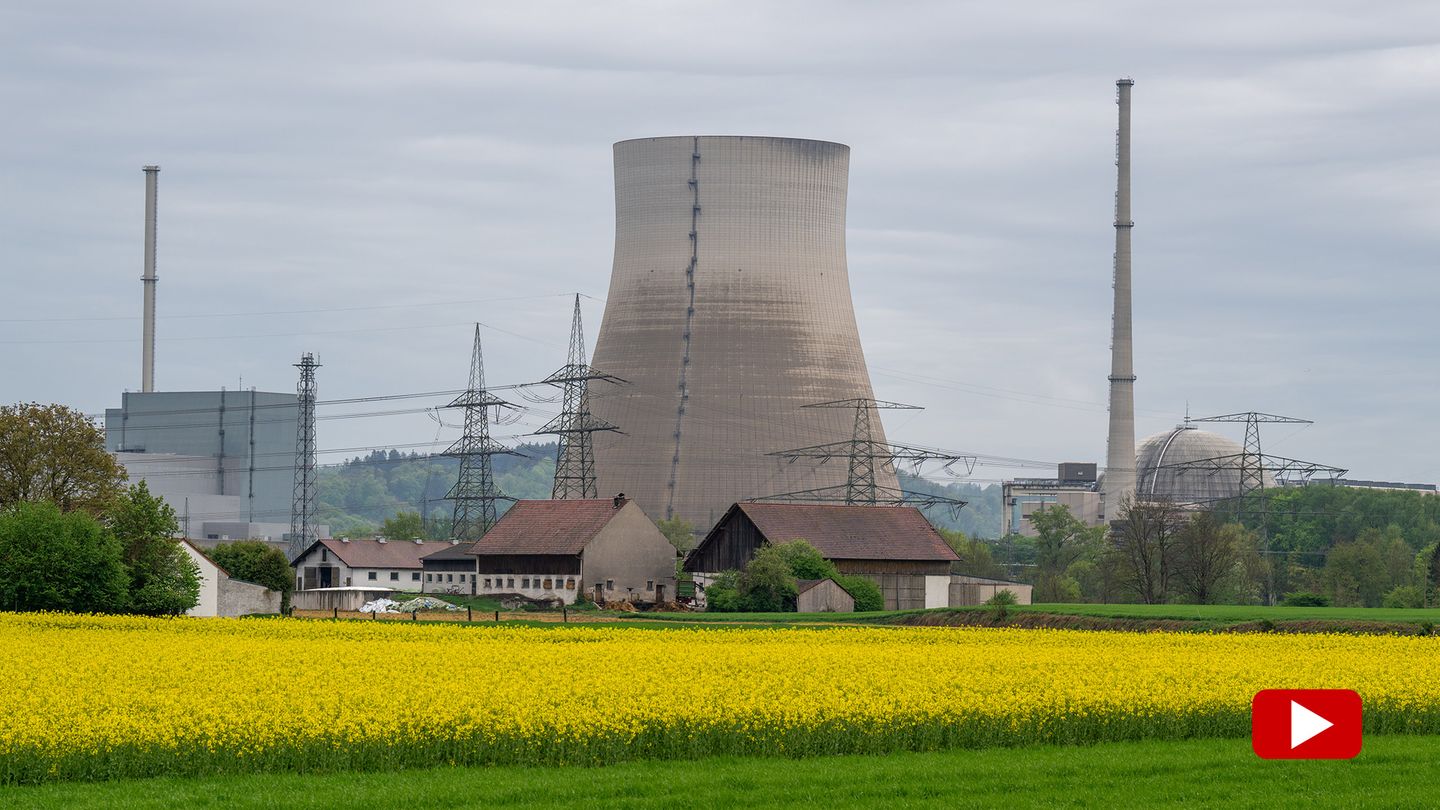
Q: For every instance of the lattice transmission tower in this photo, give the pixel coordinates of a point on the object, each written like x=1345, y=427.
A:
x=302, y=507
x=1253, y=464
x=575, y=427
x=475, y=492
x=864, y=455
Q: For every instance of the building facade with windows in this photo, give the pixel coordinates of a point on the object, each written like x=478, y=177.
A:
x=607, y=549
x=341, y=563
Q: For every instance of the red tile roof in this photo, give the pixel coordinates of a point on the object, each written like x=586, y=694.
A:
x=851, y=532
x=547, y=527
x=375, y=554
x=451, y=551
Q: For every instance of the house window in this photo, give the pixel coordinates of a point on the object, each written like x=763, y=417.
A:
x=324, y=556
x=510, y=582
x=371, y=576
x=609, y=584
x=449, y=577
x=394, y=576
x=487, y=582
x=525, y=583
x=415, y=577
x=649, y=584
x=429, y=577
x=569, y=583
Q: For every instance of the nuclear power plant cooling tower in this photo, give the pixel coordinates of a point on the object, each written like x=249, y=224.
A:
x=729, y=311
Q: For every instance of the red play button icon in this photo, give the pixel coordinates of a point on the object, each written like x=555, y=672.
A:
x=1305, y=724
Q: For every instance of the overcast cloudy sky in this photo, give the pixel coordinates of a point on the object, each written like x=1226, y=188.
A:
x=364, y=179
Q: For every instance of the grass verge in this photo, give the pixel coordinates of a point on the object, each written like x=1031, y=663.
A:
x=1391, y=772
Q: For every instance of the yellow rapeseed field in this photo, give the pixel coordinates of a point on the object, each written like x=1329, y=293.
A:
x=99, y=697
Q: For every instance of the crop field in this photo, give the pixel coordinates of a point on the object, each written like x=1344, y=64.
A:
x=88, y=698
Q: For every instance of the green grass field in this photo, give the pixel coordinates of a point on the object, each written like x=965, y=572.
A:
x=1393, y=771
x=1241, y=613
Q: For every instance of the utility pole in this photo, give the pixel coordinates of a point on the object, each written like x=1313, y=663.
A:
x=475, y=492
x=575, y=427
x=302, y=509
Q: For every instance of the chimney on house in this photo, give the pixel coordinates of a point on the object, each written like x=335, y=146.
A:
x=620, y=500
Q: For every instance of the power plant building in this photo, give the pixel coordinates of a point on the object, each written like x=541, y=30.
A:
x=224, y=460
x=1164, y=472
x=729, y=312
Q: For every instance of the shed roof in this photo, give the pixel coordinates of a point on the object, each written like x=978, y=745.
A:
x=849, y=532
x=375, y=554
x=560, y=527
x=803, y=585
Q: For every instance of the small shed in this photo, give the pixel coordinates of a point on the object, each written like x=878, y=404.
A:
x=823, y=596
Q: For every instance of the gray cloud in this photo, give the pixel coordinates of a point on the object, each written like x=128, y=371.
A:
x=362, y=157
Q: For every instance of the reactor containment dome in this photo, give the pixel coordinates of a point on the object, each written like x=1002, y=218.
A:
x=729, y=311
x=1162, y=474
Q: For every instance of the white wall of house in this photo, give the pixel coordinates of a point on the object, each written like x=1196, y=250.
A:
x=209, y=604
x=461, y=582
x=401, y=579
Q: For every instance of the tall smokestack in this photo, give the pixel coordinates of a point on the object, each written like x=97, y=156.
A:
x=1120, y=455
x=147, y=349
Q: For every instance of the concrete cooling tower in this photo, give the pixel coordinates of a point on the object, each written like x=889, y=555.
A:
x=729, y=311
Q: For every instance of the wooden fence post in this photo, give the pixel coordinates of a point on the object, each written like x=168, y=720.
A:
x=497, y=616
x=469, y=614
x=335, y=612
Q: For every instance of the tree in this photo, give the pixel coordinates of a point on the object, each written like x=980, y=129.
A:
x=866, y=593
x=1143, y=545
x=51, y=560
x=164, y=581
x=403, y=526
x=1061, y=539
x=976, y=558
x=679, y=531
x=1206, y=555
x=258, y=562
x=54, y=453
x=766, y=584
x=805, y=561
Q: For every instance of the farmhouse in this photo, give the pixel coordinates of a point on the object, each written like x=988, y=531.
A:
x=607, y=548
x=894, y=546
x=222, y=595
x=379, y=562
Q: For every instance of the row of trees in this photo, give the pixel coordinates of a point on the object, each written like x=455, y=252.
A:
x=768, y=582
x=1156, y=553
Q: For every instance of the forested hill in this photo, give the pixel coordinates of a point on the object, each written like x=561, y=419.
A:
x=356, y=496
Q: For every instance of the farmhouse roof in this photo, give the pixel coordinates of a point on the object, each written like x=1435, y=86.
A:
x=560, y=527
x=451, y=551
x=377, y=554
x=849, y=532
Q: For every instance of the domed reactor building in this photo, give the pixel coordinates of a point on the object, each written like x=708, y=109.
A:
x=729, y=311
x=1162, y=472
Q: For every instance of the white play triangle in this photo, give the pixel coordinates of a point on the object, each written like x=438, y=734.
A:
x=1304, y=724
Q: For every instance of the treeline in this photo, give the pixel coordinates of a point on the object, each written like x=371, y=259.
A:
x=357, y=497
x=979, y=518
x=1326, y=545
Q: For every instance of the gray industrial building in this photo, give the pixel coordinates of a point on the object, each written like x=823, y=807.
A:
x=729, y=311
x=1075, y=487
x=224, y=460
x=1162, y=473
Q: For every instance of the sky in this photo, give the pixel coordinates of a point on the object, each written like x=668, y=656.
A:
x=365, y=180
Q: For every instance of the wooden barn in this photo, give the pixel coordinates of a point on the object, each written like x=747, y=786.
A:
x=893, y=546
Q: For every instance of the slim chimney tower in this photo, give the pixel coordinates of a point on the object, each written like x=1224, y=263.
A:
x=147, y=340
x=1120, y=454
